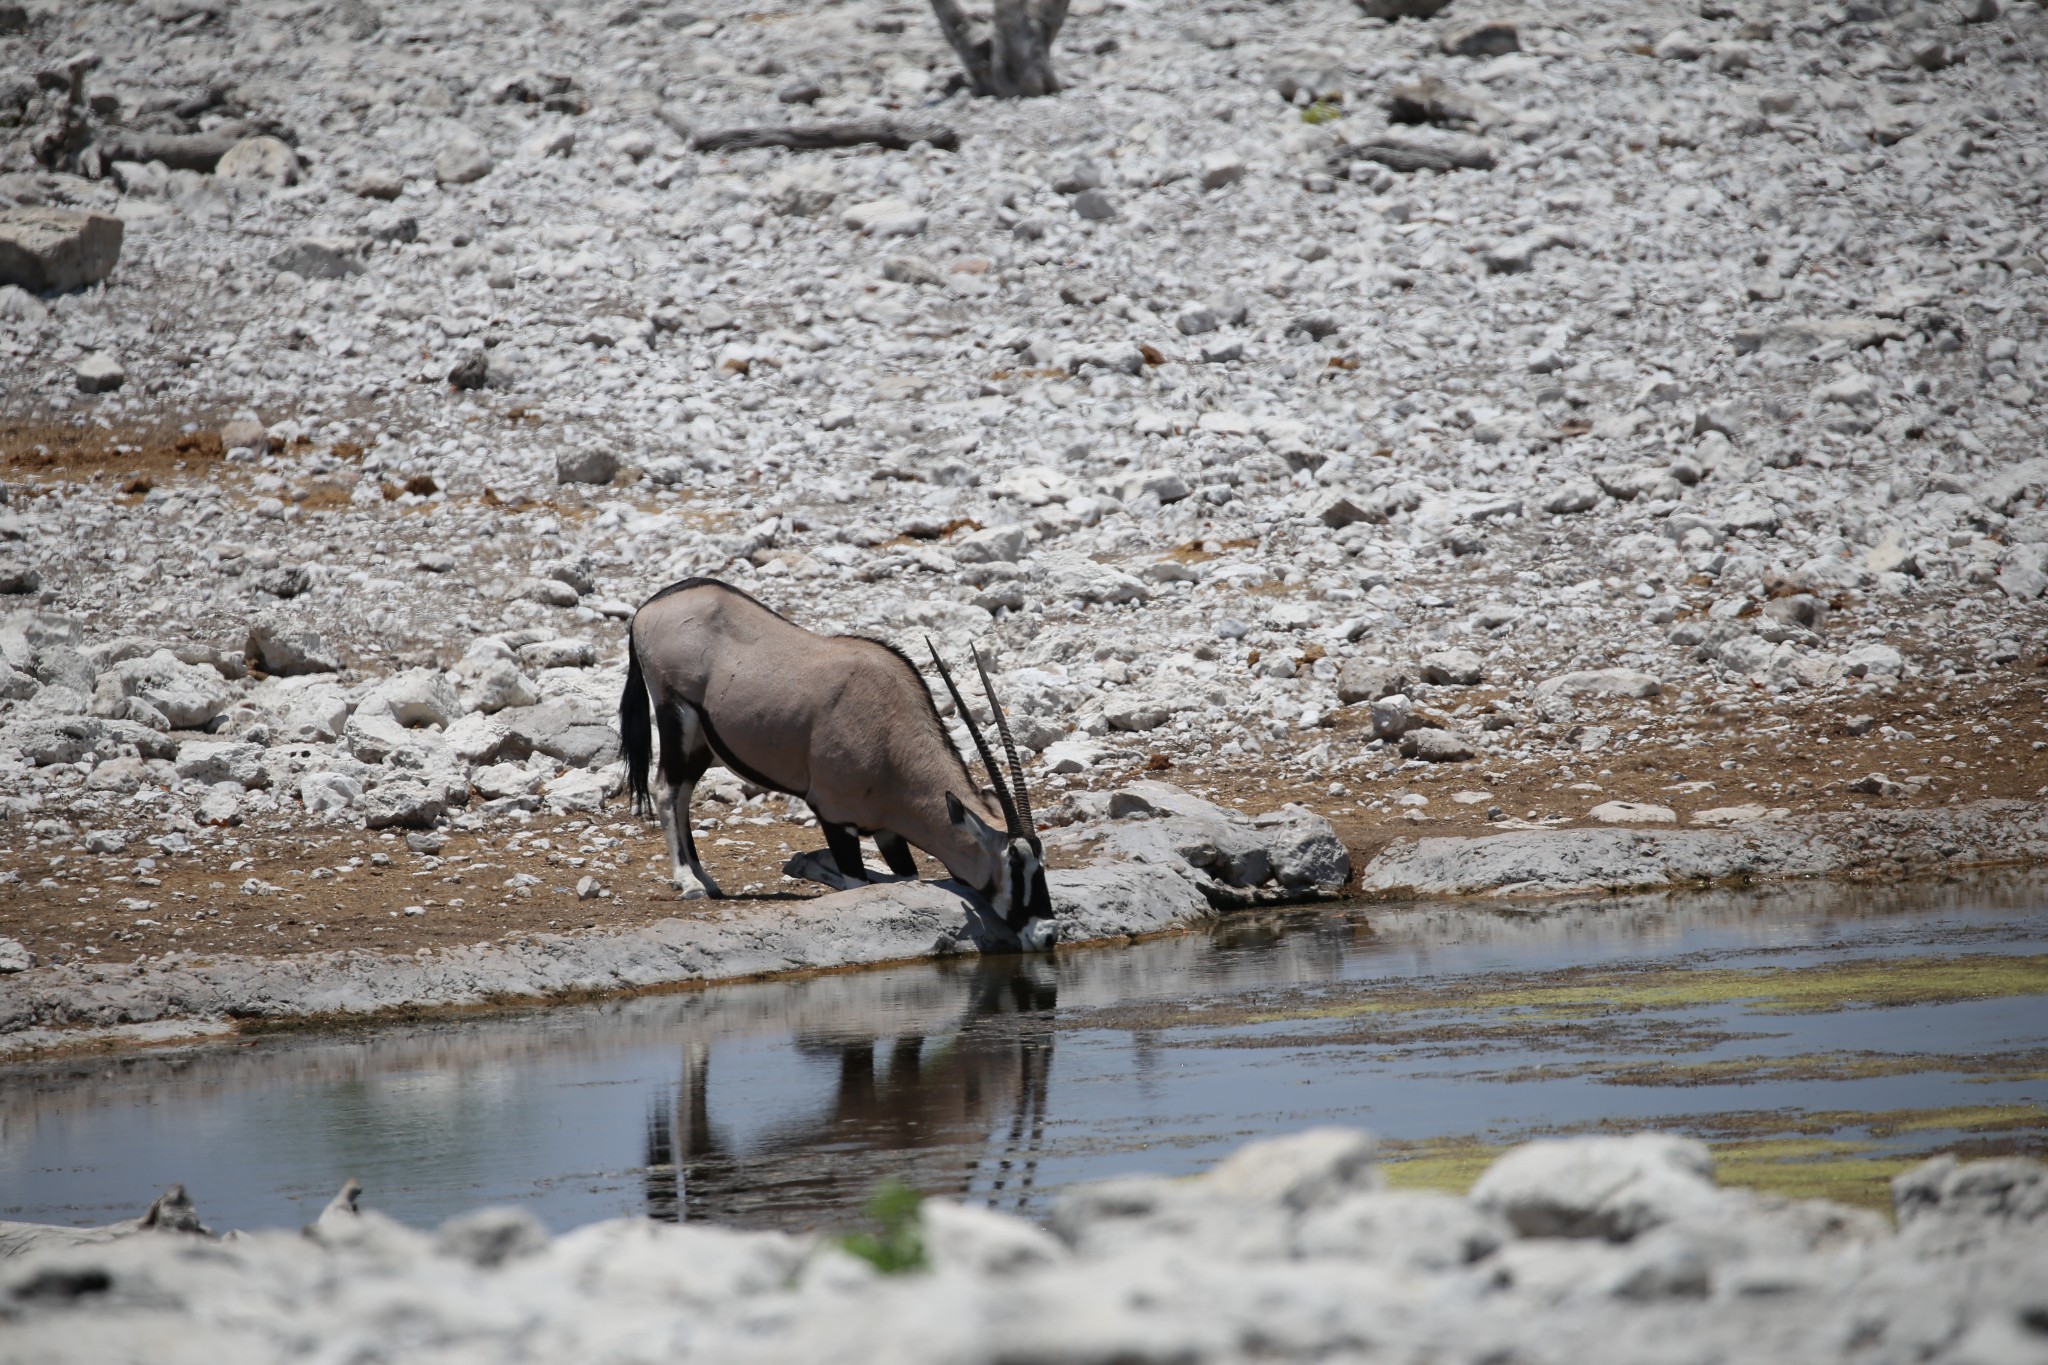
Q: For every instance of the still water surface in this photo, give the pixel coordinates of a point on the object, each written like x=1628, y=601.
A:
x=784, y=1103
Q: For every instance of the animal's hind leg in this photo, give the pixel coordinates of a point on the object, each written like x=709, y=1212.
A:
x=896, y=853
x=685, y=757
x=844, y=841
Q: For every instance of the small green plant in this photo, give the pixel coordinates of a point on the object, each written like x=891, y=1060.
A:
x=897, y=1248
x=1322, y=111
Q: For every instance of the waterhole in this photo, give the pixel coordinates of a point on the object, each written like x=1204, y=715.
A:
x=1821, y=1038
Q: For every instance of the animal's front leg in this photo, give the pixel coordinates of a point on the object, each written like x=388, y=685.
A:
x=844, y=841
x=896, y=853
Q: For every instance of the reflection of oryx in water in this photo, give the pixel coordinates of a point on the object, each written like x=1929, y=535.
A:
x=961, y=1115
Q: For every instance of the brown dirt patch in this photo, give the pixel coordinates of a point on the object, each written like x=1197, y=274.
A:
x=305, y=896
x=285, y=894
x=65, y=452
x=1975, y=740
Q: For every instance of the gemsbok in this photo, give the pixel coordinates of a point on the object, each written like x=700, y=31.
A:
x=841, y=721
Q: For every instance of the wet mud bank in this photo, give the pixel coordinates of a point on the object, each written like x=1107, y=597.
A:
x=56, y=1006
x=1166, y=861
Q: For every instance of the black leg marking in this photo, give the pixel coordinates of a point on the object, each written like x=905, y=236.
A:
x=675, y=755
x=845, y=846
x=896, y=853
x=685, y=757
x=693, y=769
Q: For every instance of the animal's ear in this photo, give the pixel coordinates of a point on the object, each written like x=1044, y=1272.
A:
x=964, y=819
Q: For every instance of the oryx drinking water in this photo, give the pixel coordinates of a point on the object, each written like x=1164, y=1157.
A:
x=841, y=721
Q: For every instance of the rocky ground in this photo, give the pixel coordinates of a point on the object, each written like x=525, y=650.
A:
x=1672, y=455
x=1590, y=1249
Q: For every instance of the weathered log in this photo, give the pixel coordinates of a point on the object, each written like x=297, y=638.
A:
x=812, y=137
x=1011, y=56
x=1402, y=154
x=179, y=151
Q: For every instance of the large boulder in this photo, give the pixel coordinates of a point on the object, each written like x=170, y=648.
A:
x=1359, y=681
x=1432, y=744
x=51, y=250
x=575, y=730
x=43, y=740
x=61, y=665
x=383, y=721
x=1412, y=1229
x=51, y=739
x=583, y=790
x=285, y=646
x=16, y=685
x=315, y=715
x=186, y=696
x=403, y=804
x=323, y=792
x=260, y=158
x=1252, y=1201
x=214, y=760
x=984, y=1241
x=593, y=465
x=430, y=762
x=1606, y=1187
x=2007, y=1192
x=1285, y=855
x=499, y=685
x=1600, y=682
x=997, y=544
x=1453, y=668
x=462, y=160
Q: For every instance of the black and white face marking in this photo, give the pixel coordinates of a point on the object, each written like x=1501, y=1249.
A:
x=1030, y=897
x=1020, y=871
x=1017, y=887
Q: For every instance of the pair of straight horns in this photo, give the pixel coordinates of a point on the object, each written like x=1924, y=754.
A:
x=1017, y=807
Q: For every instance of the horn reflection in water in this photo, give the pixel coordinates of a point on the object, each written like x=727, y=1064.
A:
x=952, y=1103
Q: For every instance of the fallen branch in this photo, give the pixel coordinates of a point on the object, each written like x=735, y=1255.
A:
x=179, y=151
x=1403, y=154
x=819, y=136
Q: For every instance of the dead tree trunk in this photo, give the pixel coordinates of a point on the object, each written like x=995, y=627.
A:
x=1010, y=55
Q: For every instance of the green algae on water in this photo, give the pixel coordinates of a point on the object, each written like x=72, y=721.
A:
x=2028, y=1065
x=1788, y=1152
x=1808, y=988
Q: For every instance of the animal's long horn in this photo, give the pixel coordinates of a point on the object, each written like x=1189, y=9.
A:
x=1023, y=793
x=988, y=760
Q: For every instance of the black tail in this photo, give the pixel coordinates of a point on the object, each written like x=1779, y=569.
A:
x=636, y=731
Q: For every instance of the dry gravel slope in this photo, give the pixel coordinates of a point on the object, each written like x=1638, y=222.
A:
x=1728, y=373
